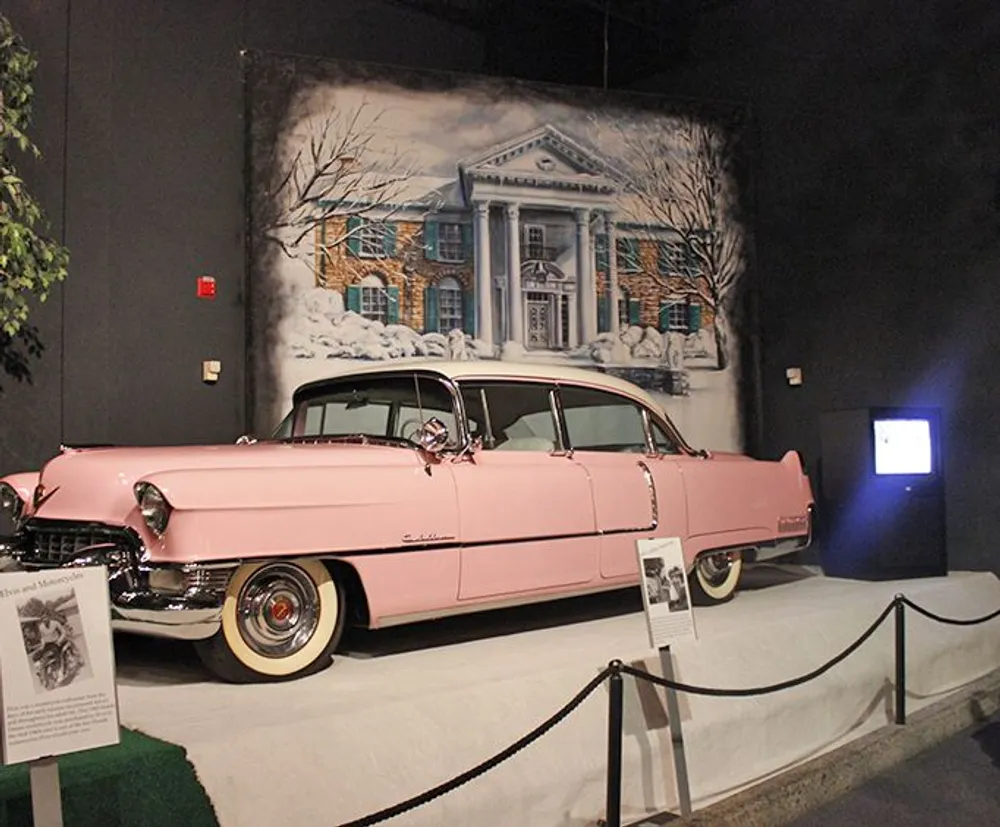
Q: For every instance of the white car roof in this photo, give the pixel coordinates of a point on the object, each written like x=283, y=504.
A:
x=492, y=369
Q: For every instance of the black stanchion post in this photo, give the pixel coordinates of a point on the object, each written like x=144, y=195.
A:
x=900, y=619
x=613, y=816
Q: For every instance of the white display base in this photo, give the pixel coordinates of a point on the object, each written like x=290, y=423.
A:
x=376, y=729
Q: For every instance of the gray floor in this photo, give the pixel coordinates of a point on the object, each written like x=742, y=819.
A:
x=956, y=784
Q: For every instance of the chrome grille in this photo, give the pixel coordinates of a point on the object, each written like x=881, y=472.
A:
x=207, y=579
x=54, y=543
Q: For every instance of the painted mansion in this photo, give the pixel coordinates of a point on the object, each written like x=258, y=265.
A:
x=523, y=246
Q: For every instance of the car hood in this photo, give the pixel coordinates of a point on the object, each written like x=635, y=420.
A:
x=97, y=483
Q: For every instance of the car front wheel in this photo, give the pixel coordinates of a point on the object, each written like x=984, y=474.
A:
x=716, y=575
x=280, y=620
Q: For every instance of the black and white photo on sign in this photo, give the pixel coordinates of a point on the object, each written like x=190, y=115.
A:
x=665, y=592
x=54, y=641
x=665, y=585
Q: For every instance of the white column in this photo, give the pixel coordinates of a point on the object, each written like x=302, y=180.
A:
x=585, y=283
x=484, y=283
x=574, y=316
x=612, y=242
x=515, y=305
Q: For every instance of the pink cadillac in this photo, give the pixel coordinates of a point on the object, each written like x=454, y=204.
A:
x=397, y=493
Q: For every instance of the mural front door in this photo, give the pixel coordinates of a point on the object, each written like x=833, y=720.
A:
x=539, y=324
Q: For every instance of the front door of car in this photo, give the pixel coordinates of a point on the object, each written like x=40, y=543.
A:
x=608, y=439
x=526, y=516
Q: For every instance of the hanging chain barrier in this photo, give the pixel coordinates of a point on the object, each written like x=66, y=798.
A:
x=614, y=671
x=488, y=764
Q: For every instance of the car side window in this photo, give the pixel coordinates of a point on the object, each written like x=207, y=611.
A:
x=602, y=421
x=511, y=416
x=664, y=443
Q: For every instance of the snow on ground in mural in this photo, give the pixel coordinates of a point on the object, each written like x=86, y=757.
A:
x=319, y=339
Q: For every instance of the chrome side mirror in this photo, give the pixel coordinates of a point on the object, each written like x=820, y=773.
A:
x=245, y=439
x=432, y=436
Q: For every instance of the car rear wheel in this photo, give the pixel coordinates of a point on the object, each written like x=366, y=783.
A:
x=280, y=620
x=716, y=575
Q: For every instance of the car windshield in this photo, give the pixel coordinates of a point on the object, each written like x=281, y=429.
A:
x=381, y=407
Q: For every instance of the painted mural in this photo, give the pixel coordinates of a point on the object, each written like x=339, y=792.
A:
x=399, y=214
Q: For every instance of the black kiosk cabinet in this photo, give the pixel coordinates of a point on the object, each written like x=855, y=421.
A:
x=881, y=499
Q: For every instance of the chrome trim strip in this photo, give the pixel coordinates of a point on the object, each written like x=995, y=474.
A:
x=564, y=449
x=653, y=499
x=647, y=429
x=488, y=423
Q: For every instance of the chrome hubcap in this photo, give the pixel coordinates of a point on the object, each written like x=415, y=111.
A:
x=278, y=610
x=715, y=567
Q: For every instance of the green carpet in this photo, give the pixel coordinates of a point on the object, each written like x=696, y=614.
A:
x=141, y=782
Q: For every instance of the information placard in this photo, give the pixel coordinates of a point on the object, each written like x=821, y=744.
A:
x=665, y=594
x=57, y=670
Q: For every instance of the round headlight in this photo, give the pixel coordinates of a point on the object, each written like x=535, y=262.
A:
x=153, y=506
x=10, y=501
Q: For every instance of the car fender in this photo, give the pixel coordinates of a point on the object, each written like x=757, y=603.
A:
x=219, y=514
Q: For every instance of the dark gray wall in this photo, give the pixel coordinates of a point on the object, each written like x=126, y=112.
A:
x=139, y=114
x=878, y=231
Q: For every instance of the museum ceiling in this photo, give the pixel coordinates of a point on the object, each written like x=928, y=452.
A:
x=564, y=40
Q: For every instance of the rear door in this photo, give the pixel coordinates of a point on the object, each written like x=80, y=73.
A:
x=607, y=434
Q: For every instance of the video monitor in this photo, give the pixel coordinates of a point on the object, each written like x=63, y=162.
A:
x=903, y=446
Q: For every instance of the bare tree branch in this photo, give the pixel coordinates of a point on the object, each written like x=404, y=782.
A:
x=337, y=171
x=680, y=180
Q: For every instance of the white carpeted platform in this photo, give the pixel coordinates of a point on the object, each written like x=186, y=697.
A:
x=421, y=705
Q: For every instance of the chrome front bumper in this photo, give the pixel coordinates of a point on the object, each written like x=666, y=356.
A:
x=194, y=615
x=159, y=616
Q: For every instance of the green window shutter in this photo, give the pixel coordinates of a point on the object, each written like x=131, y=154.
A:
x=431, y=240
x=430, y=310
x=354, y=236
x=389, y=240
x=664, y=316
x=601, y=252
x=633, y=311
x=392, y=305
x=354, y=298
x=468, y=312
x=603, y=316
x=467, y=242
x=694, y=317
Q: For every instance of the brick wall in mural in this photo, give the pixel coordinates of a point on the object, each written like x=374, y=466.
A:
x=399, y=214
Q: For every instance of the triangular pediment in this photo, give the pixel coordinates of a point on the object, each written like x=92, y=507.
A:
x=545, y=152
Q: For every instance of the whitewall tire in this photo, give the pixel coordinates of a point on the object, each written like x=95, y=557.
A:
x=715, y=576
x=281, y=620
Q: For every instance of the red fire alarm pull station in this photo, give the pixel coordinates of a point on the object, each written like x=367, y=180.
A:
x=206, y=287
